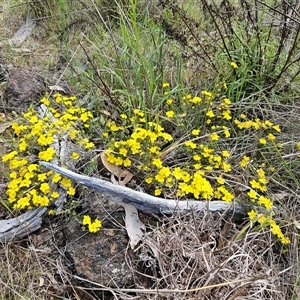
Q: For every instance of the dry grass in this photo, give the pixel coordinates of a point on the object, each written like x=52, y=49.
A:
x=202, y=252
x=182, y=253
x=201, y=257
x=27, y=271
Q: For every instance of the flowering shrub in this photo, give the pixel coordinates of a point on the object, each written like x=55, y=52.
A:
x=200, y=164
x=31, y=185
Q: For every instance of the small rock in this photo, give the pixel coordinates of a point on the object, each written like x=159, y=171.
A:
x=23, y=88
x=99, y=257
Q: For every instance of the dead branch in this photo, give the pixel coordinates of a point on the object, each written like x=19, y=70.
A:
x=22, y=225
x=148, y=203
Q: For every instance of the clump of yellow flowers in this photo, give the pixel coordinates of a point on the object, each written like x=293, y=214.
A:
x=200, y=164
x=31, y=185
x=93, y=227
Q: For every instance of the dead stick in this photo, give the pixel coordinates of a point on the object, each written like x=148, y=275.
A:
x=148, y=203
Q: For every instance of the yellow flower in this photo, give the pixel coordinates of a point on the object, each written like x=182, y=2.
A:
x=154, y=149
x=166, y=84
x=165, y=136
x=261, y=172
x=22, y=203
x=110, y=157
x=157, y=192
x=16, y=128
x=45, y=188
x=227, y=133
x=123, y=151
x=195, y=132
x=86, y=220
x=226, y=115
x=209, y=168
x=42, y=177
x=266, y=202
x=45, y=140
x=118, y=161
x=56, y=178
x=126, y=162
x=263, y=141
x=196, y=157
x=66, y=182
x=84, y=117
x=187, y=97
x=136, y=111
x=271, y=137
x=54, y=195
x=71, y=191
x=195, y=100
x=47, y=155
x=252, y=194
x=75, y=155
x=157, y=163
x=89, y=145
x=197, y=166
x=13, y=175
x=149, y=180
x=262, y=219
x=277, y=128
x=51, y=212
x=208, y=95
x=252, y=215
x=190, y=144
x=254, y=184
x=162, y=174
x=226, y=101
x=169, y=101
x=9, y=156
x=32, y=167
x=228, y=197
x=45, y=101
x=170, y=114
x=226, y=166
x=285, y=240
x=23, y=146
x=25, y=182
x=95, y=226
x=244, y=162
x=220, y=180
x=268, y=123
x=263, y=180
x=225, y=153
x=210, y=114
x=214, y=137
x=234, y=65
x=15, y=163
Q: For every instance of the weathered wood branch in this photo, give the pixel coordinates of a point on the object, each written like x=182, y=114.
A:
x=22, y=225
x=148, y=203
x=31, y=221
